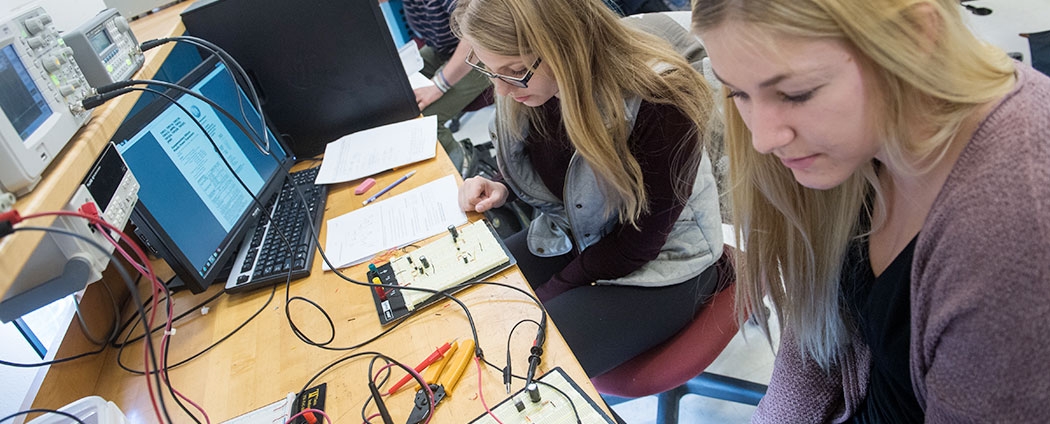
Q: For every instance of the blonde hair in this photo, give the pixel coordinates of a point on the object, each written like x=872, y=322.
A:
x=596, y=61
x=929, y=71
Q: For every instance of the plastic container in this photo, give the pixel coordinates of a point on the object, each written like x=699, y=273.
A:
x=91, y=410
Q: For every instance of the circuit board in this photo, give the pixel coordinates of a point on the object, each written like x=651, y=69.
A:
x=552, y=407
x=467, y=254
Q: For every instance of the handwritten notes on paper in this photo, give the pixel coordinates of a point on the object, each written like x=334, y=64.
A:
x=378, y=149
x=393, y=222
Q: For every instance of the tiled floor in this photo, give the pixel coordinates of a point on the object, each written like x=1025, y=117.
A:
x=749, y=358
x=475, y=125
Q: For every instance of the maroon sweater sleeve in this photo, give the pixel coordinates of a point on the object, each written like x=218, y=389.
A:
x=655, y=140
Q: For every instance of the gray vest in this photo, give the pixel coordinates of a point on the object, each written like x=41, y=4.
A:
x=695, y=241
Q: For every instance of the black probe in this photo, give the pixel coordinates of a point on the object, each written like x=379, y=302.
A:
x=534, y=355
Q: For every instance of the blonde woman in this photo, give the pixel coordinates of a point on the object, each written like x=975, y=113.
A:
x=889, y=186
x=600, y=128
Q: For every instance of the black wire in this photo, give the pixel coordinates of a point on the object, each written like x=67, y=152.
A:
x=255, y=199
x=314, y=233
x=80, y=355
x=575, y=411
x=131, y=85
x=231, y=65
x=207, y=349
x=116, y=319
x=46, y=411
x=171, y=390
x=571, y=403
x=386, y=377
x=161, y=327
x=151, y=351
x=354, y=356
x=510, y=336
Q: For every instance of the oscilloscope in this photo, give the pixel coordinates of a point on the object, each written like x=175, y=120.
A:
x=42, y=90
x=105, y=48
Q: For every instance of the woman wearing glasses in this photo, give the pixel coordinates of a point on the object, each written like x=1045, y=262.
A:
x=600, y=128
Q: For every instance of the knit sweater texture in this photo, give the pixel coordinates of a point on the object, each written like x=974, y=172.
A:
x=980, y=293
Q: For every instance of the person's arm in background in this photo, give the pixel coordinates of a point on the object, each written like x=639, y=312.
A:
x=454, y=70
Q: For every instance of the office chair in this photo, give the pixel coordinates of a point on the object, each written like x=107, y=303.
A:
x=675, y=368
x=1039, y=42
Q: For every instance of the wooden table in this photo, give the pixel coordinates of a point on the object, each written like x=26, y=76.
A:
x=265, y=360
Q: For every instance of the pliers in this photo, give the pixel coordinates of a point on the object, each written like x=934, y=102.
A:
x=442, y=377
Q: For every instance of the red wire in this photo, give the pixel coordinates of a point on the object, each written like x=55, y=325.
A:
x=124, y=253
x=164, y=372
x=482, y=395
x=151, y=275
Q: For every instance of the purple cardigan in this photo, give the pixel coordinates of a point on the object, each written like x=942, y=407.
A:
x=980, y=293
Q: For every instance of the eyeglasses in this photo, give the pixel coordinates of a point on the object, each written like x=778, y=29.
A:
x=522, y=82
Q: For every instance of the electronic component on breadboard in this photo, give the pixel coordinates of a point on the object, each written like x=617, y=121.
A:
x=552, y=407
x=465, y=254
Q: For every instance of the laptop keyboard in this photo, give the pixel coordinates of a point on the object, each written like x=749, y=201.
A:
x=266, y=257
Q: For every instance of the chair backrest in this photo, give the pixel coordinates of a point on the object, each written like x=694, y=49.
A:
x=1039, y=42
x=685, y=355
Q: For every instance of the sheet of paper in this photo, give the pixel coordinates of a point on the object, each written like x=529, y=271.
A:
x=417, y=80
x=410, y=57
x=277, y=412
x=378, y=149
x=392, y=222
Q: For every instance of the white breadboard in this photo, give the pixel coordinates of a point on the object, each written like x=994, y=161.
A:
x=553, y=407
x=448, y=261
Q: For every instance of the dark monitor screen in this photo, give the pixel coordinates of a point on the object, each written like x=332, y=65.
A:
x=192, y=210
x=22, y=102
x=323, y=68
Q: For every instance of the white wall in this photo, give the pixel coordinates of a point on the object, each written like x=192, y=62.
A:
x=68, y=14
x=1008, y=19
x=49, y=324
x=17, y=381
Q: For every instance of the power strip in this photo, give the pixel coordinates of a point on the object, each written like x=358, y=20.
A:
x=469, y=253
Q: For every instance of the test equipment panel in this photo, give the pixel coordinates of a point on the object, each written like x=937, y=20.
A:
x=105, y=48
x=61, y=264
x=42, y=91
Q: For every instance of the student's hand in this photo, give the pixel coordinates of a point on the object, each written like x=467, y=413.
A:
x=427, y=95
x=479, y=194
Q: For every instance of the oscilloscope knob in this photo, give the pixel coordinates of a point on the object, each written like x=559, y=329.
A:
x=122, y=24
x=35, y=25
x=51, y=63
x=35, y=42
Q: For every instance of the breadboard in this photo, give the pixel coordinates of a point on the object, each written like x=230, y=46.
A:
x=471, y=253
x=552, y=408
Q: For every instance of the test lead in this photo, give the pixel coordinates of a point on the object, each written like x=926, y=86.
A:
x=506, y=377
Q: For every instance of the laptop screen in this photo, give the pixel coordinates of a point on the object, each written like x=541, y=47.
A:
x=190, y=203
